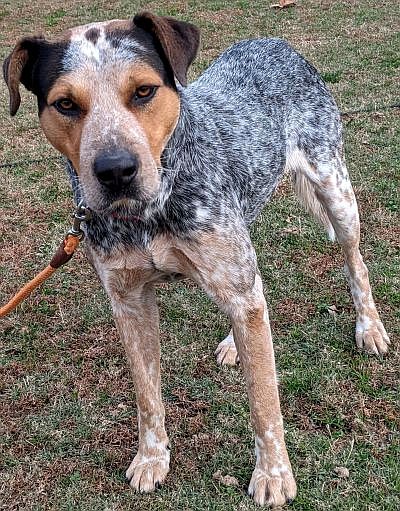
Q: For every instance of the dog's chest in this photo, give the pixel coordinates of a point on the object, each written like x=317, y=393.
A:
x=161, y=261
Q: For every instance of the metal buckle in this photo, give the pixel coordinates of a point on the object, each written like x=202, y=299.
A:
x=82, y=214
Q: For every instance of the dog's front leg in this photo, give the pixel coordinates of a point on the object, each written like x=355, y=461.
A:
x=272, y=482
x=225, y=266
x=136, y=317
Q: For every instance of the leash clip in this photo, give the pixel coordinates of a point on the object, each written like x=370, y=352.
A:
x=82, y=214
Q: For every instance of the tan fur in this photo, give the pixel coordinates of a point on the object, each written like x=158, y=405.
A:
x=305, y=191
x=128, y=279
x=137, y=324
x=157, y=120
x=63, y=133
x=304, y=186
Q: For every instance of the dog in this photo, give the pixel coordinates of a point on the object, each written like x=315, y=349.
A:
x=174, y=175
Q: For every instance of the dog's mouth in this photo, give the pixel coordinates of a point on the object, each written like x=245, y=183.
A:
x=125, y=210
x=122, y=203
x=126, y=203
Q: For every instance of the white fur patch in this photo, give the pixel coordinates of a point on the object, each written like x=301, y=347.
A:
x=83, y=51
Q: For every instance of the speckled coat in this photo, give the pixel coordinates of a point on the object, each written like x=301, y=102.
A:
x=239, y=124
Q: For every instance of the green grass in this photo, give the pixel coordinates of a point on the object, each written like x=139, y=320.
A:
x=68, y=416
x=54, y=17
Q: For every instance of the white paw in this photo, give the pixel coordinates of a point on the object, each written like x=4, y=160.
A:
x=146, y=473
x=226, y=352
x=272, y=490
x=371, y=336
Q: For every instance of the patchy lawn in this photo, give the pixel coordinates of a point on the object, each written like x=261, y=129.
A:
x=68, y=418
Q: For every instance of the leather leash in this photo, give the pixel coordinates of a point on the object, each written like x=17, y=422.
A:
x=63, y=254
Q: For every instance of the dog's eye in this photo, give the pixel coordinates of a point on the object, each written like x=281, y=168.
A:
x=66, y=106
x=144, y=93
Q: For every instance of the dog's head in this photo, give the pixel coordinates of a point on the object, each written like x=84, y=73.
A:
x=107, y=99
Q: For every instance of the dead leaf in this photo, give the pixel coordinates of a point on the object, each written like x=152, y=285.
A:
x=225, y=480
x=332, y=310
x=283, y=3
x=342, y=472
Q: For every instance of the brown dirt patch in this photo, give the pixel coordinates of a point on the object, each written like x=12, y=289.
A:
x=289, y=312
x=318, y=264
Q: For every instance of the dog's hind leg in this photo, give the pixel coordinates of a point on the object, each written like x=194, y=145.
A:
x=325, y=188
x=226, y=351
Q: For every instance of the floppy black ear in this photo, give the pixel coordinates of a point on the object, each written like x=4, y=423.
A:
x=178, y=40
x=18, y=68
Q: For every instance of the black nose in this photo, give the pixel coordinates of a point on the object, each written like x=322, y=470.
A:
x=116, y=169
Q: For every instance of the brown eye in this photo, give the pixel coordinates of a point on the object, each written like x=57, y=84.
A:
x=144, y=93
x=66, y=107
x=66, y=104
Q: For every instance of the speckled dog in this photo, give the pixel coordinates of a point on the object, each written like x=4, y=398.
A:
x=174, y=176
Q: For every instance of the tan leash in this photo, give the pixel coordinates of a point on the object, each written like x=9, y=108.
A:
x=63, y=254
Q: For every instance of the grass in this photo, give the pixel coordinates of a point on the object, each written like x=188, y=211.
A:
x=68, y=417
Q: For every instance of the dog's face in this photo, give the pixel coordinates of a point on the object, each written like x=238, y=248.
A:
x=107, y=100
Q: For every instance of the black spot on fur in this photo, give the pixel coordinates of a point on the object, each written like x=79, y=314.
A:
x=92, y=35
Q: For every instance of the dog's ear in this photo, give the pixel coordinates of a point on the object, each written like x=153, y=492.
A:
x=18, y=68
x=178, y=40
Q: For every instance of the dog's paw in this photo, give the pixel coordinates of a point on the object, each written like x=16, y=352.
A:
x=371, y=336
x=272, y=490
x=146, y=473
x=226, y=352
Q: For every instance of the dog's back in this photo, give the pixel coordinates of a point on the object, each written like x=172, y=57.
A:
x=250, y=111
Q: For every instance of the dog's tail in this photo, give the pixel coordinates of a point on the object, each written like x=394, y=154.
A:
x=304, y=187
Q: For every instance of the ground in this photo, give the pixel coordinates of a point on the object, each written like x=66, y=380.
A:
x=68, y=417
